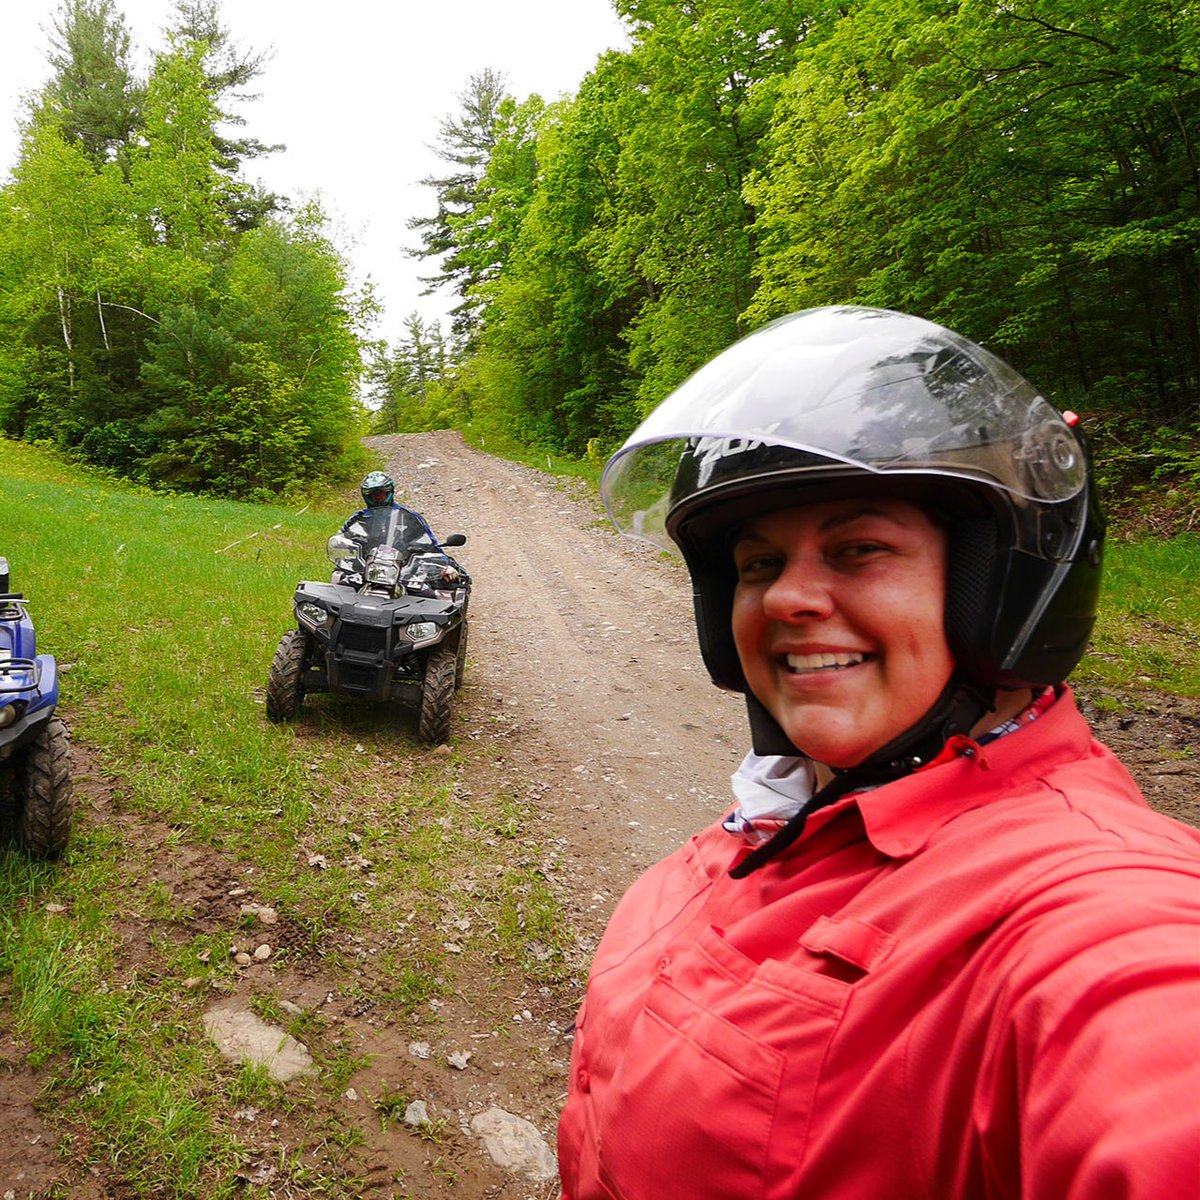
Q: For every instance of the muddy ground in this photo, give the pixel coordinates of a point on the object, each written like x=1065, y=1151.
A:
x=585, y=698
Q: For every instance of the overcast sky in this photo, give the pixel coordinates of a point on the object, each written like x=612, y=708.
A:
x=355, y=89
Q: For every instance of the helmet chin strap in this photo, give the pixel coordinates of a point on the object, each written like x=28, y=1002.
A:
x=955, y=712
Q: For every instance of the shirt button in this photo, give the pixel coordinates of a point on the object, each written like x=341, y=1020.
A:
x=661, y=966
x=584, y=1080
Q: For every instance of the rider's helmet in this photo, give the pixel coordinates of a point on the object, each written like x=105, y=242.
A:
x=845, y=401
x=378, y=490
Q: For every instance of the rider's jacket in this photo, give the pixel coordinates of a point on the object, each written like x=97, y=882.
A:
x=407, y=530
x=981, y=980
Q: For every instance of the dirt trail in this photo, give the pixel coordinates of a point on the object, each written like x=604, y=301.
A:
x=582, y=645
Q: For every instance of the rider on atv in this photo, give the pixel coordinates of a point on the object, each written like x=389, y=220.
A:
x=378, y=491
x=403, y=526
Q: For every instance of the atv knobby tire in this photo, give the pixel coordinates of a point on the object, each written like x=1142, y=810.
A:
x=285, y=680
x=437, y=696
x=460, y=656
x=44, y=823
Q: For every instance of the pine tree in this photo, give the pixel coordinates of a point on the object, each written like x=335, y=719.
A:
x=465, y=141
x=228, y=72
x=92, y=97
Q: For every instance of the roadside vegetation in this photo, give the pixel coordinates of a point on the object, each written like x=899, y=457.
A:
x=1148, y=635
x=1023, y=173
x=164, y=318
x=160, y=315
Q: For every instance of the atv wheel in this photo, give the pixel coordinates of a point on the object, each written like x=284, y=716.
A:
x=285, y=681
x=44, y=823
x=437, y=696
x=460, y=656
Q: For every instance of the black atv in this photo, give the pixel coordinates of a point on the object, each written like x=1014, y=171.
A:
x=392, y=625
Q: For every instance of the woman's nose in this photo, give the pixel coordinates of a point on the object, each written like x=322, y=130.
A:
x=801, y=590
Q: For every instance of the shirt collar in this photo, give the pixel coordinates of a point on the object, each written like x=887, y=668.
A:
x=900, y=817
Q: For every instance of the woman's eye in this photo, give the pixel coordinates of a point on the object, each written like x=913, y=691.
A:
x=861, y=550
x=757, y=566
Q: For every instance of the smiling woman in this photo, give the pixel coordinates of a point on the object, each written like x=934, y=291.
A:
x=941, y=943
x=814, y=622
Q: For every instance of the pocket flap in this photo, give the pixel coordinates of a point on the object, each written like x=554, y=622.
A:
x=854, y=941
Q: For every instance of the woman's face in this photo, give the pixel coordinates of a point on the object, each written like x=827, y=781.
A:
x=837, y=619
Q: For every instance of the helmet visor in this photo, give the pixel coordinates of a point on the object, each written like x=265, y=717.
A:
x=878, y=391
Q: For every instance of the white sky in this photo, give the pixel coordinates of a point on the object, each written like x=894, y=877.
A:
x=356, y=90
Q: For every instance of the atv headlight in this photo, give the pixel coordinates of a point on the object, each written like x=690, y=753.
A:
x=311, y=614
x=386, y=574
x=420, y=631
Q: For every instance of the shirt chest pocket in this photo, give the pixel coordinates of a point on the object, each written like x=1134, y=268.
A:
x=712, y=1096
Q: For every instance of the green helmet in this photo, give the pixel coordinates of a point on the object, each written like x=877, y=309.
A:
x=378, y=490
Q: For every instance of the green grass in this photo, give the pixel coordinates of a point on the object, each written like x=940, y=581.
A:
x=164, y=612
x=1148, y=632
x=529, y=924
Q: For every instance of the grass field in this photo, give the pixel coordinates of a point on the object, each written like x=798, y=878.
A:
x=1148, y=634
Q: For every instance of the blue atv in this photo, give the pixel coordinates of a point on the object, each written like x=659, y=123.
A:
x=33, y=741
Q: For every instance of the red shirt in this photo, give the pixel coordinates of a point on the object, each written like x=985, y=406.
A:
x=982, y=980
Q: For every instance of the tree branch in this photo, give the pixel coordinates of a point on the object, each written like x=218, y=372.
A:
x=1087, y=37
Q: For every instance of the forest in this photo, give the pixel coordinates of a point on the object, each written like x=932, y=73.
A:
x=158, y=316
x=1026, y=172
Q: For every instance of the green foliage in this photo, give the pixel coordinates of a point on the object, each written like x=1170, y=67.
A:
x=173, y=174
x=154, y=318
x=632, y=260
x=228, y=71
x=1149, y=472
x=1024, y=173
x=698, y=137
x=409, y=385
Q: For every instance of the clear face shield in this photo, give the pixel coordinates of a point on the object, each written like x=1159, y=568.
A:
x=875, y=391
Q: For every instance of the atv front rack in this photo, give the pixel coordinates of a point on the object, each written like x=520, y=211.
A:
x=12, y=605
x=29, y=668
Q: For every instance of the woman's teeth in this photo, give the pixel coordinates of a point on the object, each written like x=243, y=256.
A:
x=823, y=662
